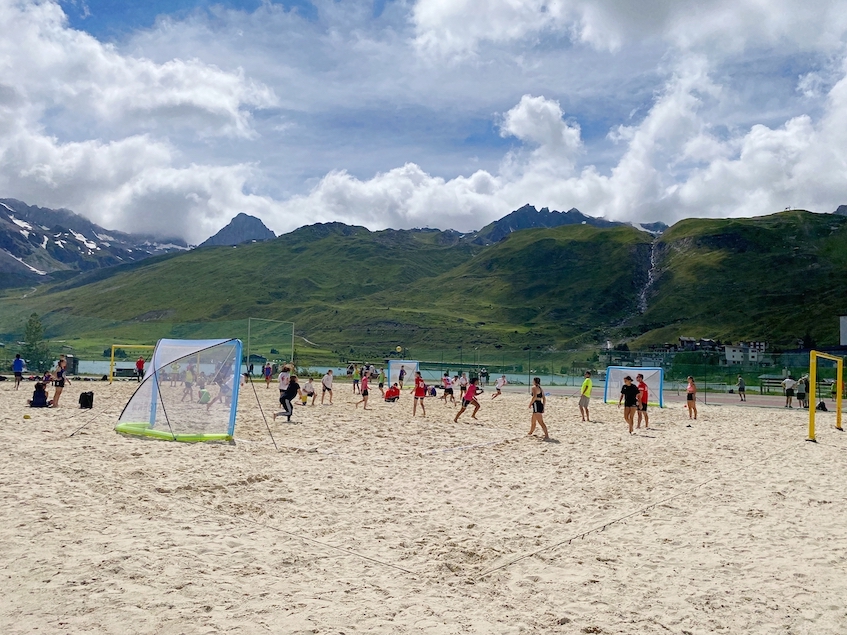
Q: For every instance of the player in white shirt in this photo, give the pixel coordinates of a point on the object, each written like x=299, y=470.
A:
x=448, y=389
x=788, y=383
x=326, y=387
x=498, y=385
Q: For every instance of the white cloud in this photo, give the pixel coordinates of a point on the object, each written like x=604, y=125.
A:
x=657, y=116
x=55, y=67
x=456, y=27
x=756, y=172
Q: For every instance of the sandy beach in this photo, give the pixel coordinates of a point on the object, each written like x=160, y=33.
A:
x=372, y=521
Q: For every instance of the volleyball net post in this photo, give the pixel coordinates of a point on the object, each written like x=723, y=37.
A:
x=123, y=347
x=839, y=383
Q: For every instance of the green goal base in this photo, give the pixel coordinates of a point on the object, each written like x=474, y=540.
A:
x=144, y=430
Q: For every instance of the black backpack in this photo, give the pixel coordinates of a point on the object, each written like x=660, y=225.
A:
x=822, y=406
x=86, y=400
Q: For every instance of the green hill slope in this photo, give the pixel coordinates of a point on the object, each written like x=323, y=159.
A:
x=559, y=286
x=344, y=285
x=775, y=278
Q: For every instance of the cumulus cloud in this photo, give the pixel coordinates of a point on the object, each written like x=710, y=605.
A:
x=133, y=179
x=755, y=172
x=456, y=27
x=635, y=111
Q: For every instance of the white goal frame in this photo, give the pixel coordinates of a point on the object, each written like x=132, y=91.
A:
x=614, y=381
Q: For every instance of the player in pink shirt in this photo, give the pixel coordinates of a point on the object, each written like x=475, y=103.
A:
x=468, y=398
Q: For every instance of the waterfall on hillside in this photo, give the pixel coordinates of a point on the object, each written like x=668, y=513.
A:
x=651, y=277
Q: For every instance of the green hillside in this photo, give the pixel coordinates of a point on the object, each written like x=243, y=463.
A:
x=559, y=286
x=352, y=292
x=344, y=285
x=776, y=278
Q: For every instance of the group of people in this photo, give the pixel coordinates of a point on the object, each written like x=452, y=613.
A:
x=40, y=395
x=801, y=386
x=634, y=397
x=469, y=392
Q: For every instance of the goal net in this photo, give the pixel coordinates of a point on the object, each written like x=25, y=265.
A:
x=653, y=377
x=826, y=381
x=189, y=392
x=409, y=366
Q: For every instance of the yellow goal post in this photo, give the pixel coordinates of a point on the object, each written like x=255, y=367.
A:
x=124, y=347
x=839, y=379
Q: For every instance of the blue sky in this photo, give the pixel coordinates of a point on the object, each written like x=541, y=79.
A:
x=172, y=117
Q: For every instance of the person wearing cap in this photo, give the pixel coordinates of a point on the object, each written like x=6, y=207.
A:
x=585, y=396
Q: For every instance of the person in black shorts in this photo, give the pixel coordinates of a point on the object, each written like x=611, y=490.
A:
x=291, y=391
x=365, y=392
x=629, y=397
x=537, y=402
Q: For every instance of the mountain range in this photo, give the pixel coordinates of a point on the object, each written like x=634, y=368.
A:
x=38, y=244
x=774, y=278
x=515, y=283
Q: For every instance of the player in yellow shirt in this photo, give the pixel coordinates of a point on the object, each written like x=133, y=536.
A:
x=585, y=396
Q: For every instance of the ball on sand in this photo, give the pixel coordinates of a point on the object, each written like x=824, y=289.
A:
x=26, y=416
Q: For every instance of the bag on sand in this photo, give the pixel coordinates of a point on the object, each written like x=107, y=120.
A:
x=86, y=400
x=822, y=406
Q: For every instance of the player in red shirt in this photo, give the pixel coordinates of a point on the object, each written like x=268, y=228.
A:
x=468, y=398
x=139, y=368
x=393, y=393
x=420, y=393
x=643, y=395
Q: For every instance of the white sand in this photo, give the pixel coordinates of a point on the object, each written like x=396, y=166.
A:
x=107, y=534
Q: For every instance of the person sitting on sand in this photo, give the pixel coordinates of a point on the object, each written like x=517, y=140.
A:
x=39, y=397
x=468, y=398
x=392, y=394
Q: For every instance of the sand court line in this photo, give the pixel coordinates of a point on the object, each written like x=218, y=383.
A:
x=602, y=526
x=295, y=536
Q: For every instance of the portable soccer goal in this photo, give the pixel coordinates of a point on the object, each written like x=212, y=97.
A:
x=200, y=405
x=125, y=347
x=839, y=388
x=409, y=365
x=653, y=377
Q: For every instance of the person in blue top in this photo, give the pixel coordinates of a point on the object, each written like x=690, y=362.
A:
x=39, y=397
x=18, y=369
